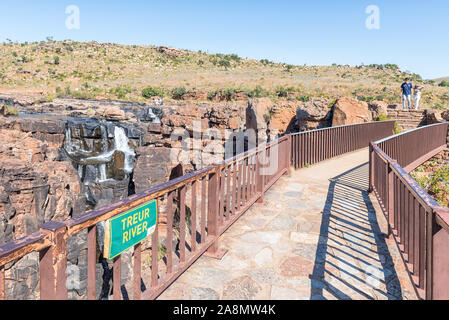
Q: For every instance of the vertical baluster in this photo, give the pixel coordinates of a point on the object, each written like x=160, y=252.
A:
x=228, y=193
x=411, y=209
x=416, y=238
x=91, y=262
x=155, y=254
x=244, y=182
x=402, y=208
x=117, y=278
x=396, y=203
x=137, y=270
x=234, y=187
x=169, y=254
x=182, y=224
x=203, y=209
x=193, y=217
x=2, y=283
x=422, y=246
x=406, y=221
x=221, y=180
x=239, y=186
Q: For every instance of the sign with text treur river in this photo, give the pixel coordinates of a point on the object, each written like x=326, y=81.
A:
x=130, y=228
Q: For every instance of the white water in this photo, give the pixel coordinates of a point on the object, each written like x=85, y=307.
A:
x=121, y=144
x=102, y=169
x=154, y=118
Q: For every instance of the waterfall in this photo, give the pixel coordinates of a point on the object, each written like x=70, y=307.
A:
x=102, y=170
x=121, y=144
x=154, y=118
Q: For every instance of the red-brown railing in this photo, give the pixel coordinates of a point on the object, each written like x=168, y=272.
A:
x=418, y=224
x=310, y=147
x=212, y=199
x=214, y=196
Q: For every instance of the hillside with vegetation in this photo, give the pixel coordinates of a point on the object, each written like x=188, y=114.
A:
x=135, y=73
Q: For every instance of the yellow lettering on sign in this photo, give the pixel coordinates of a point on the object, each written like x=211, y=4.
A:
x=125, y=236
x=123, y=222
x=130, y=222
x=145, y=226
x=147, y=213
x=139, y=229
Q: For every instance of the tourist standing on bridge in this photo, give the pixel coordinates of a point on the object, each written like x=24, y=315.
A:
x=407, y=93
x=418, y=92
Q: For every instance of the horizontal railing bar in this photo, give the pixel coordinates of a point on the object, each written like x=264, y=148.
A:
x=342, y=126
x=251, y=152
x=19, y=248
x=93, y=217
x=408, y=132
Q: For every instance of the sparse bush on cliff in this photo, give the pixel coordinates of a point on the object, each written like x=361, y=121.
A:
x=121, y=92
x=150, y=92
x=178, y=93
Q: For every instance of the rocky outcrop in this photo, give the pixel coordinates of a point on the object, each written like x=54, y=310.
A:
x=314, y=114
x=378, y=108
x=350, y=111
x=273, y=119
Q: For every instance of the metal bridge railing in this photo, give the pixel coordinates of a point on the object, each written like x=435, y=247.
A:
x=418, y=224
x=199, y=208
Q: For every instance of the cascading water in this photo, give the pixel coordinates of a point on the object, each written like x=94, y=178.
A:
x=122, y=144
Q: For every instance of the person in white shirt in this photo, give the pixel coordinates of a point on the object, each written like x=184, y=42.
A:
x=418, y=92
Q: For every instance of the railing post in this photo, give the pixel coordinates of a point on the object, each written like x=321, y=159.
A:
x=391, y=197
x=289, y=155
x=259, y=176
x=53, y=263
x=212, y=216
x=430, y=221
x=371, y=168
x=440, y=257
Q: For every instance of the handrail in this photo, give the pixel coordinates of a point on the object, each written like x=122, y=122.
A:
x=419, y=225
x=344, y=126
x=218, y=196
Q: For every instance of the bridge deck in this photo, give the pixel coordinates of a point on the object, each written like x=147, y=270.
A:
x=317, y=236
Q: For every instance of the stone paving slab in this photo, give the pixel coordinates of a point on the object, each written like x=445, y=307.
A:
x=318, y=235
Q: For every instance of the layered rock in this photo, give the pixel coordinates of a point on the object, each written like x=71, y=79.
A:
x=315, y=114
x=378, y=108
x=350, y=111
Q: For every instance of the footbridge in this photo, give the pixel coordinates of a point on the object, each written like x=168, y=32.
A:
x=323, y=214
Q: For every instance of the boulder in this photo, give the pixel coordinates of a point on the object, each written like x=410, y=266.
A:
x=313, y=114
x=350, y=111
x=377, y=108
x=9, y=111
x=434, y=116
x=257, y=117
x=445, y=115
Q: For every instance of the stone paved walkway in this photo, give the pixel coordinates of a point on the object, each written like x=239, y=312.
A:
x=317, y=236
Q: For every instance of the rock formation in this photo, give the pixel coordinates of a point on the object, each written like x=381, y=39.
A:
x=350, y=111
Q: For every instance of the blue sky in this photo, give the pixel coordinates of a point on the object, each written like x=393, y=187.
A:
x=413, y=34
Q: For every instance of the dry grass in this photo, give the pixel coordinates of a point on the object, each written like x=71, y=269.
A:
x=93, y=70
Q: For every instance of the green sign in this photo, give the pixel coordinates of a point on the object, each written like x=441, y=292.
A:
x=128, y=229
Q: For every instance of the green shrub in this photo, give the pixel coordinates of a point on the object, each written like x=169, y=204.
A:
x=382, y=117
x=178, y=93
x=258, y=92
x=444, y=83
x=150, y=92
x=305, y=99
x=56, y=60
x=121, y=92
x=224, y=63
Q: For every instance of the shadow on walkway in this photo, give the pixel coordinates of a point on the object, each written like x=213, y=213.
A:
x=352, y=258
